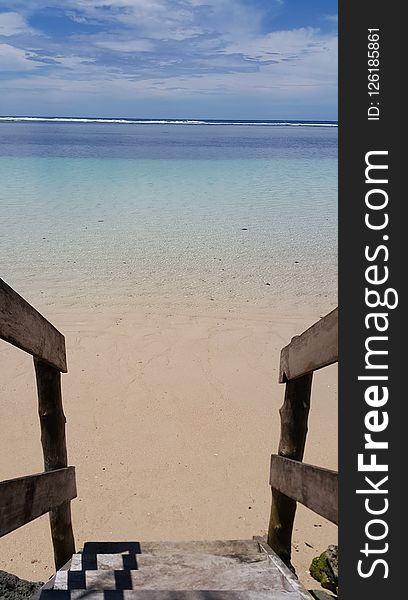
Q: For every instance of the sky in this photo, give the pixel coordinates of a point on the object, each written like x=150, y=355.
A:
x=214, y=59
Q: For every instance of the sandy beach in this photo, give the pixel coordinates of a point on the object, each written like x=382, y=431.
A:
x=172, y=414
x=177, y=260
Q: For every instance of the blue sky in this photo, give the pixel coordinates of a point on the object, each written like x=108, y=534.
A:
x=238, y=59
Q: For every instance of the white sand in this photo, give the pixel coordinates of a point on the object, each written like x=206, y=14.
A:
x=171, y=419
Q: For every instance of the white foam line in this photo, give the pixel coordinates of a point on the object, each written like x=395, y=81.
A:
x=163, y=122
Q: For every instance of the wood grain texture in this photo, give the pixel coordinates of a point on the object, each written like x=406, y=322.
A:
x=26, y=498
x=52, y=418
x=315, y=348
x=52, y=421
x=24, y=327
x=294, y=415
x=312, y=486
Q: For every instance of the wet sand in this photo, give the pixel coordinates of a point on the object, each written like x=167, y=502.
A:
x=172, y=416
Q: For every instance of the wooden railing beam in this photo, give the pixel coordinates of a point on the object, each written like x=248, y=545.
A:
x=315, y=348
x=23, y=326
x=26, y=498
x=314, y=487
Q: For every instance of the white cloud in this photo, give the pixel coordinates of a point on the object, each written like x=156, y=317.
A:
x=283, y=44
x=15, y=59
x=173, y=19
x=181, y=48
x=127, y=45
x=12, y=23
x=74, y=62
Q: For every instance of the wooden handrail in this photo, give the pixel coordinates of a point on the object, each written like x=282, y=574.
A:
x=26, y=498
x=291, y=480
x=314, y=487
x=23, y=326
x=313, y=349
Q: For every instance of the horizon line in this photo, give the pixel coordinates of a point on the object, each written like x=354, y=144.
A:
x=163, y=120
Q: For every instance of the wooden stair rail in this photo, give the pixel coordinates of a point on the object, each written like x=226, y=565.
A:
x=300, y=481
x=22, y=326
x=291, y=480
x=27, y=498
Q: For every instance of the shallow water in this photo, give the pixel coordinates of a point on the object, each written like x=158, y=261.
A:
x=102, y=213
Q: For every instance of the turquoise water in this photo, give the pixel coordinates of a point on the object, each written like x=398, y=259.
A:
x=98, y=214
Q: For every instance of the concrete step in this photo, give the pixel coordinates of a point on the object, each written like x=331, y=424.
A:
x=165, y=595
x=181, y=572
x=231, y=569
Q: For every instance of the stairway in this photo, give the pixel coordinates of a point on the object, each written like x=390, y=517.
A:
x=218, y=570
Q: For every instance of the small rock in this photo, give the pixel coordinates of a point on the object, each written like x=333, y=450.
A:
x=333, y=561
x=324, y=568
x=14, y=588
x=267, y=283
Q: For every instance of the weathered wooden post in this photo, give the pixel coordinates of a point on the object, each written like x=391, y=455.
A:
x=315, y=348
x=294, y=416
x=52, y=420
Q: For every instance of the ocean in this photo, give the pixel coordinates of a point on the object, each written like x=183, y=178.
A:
x=136, y=212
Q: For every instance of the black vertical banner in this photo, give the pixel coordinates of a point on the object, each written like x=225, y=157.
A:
x=373, y=435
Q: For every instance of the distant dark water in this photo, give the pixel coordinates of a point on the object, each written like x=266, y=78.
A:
x=165, y=141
